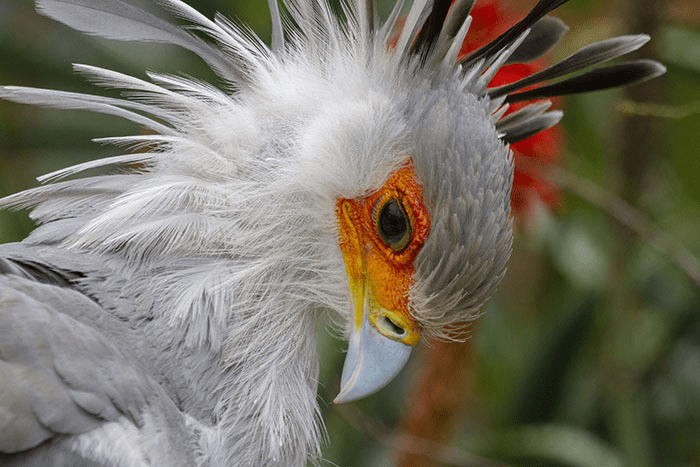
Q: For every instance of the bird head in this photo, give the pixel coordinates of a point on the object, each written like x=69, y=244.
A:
x=423, y=212
x=381, y=126
x=426, y=242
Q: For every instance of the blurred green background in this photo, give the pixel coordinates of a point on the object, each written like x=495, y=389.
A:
x=589, y=354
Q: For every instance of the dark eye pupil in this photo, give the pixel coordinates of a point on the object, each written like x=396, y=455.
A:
x=392, y=222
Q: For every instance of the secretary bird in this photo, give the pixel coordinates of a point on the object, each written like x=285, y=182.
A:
x=163, y=311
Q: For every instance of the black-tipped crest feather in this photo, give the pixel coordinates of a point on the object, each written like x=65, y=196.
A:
x=457, y=15
x=543, y=36
x=432, y=27
x=542, y=8
x=532, y=126
x=590, y=55
x=619, y=74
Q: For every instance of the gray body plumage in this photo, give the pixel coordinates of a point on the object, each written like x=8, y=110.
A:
x=164, y=315
x=74, y=375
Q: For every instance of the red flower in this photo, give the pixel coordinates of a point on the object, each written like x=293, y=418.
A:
x=489, y=19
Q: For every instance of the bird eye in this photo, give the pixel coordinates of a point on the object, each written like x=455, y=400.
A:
x=393, y=225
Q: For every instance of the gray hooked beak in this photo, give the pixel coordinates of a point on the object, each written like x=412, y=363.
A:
x=372, y=361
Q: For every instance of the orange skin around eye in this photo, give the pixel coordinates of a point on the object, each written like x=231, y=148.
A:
x=386, y=273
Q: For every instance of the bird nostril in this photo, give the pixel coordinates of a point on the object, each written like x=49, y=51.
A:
x=392, y=327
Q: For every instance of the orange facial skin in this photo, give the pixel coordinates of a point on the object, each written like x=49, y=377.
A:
x=376, y=270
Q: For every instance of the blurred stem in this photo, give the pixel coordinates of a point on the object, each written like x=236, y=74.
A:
x=634, y=171
x=438, y=398
x=639, y=142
